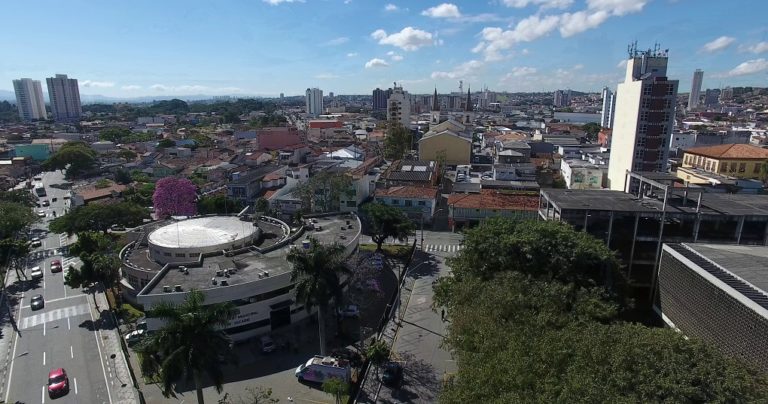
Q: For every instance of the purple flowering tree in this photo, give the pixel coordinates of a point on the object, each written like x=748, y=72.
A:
x=175, y=197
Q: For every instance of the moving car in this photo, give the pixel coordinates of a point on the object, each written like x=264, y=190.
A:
x=35, y=242
x=58, y=382
x=36, y=273
x=40, y=213
x=320, y=368
x=393, y=374
x=46, y=203
x=267, y=344
x=37, y=302
x=134, y=336
x=55, y=266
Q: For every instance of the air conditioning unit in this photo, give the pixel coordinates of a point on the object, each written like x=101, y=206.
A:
x=213, y=281
x=219, y=272
x=224, y=282
x=266, y=273
x=166, y=288
x=177, y=288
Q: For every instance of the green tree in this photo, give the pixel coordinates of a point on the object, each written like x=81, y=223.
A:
x=378, y=353
x=322, y=191
x=218, y=204
x=122, y=177
x=14, y=217
x=20, y=196
x=387, y=221
x=317, y=273
x=99, y=217
x=101, y=265
x=76, y=157
x=261, y=205
x=114, y=134
x=591, y=129
x=337, y=388
x=190, y=344
x=397, y=142
x=166, y=143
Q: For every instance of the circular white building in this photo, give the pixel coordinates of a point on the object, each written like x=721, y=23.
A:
x=185, y=240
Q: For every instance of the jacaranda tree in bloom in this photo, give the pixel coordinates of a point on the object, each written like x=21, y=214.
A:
x=175, y=197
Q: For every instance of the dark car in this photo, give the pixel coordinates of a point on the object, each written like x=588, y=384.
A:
x=393, y=374
x=37, y=302
x=58, y=382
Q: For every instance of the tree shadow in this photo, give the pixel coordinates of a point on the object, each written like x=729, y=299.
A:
x=418, y=376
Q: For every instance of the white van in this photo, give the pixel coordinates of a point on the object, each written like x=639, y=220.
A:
x=320, y=368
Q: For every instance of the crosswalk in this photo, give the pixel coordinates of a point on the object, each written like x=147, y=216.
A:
x=70, y=261
x=443, y=247
x=53, y=315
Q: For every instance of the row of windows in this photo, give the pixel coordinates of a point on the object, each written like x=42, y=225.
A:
x=408, y=202
x=262, y=296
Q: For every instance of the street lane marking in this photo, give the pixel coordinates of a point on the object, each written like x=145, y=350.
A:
x=43, y=358
x=56, y=300
x=69, y=327
x=43, y=336
x=96, y=336
x=75, y=385
x=42, y=396
x=71, y=353
x=54, y=315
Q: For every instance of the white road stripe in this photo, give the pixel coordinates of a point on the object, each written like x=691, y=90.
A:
x=43, y=358
x=75, y=379
x=71, y=353
x=53, y=315
x=42, y=396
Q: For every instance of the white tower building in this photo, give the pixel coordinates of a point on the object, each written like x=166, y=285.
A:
x=64, y=95
x=29, y=99
x=693, y=98
x=399, y=107
x=609, y=106
x=314, y=101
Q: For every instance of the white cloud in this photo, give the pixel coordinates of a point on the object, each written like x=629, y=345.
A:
x=523, y=71
x=461, y=71
x=445, y=10
x=326, y=76
x=131, y=87
x=376, y=62
x=351, y=54
x=390, y=7
x=718, y=44
x=408, y=39
x=543, y=3
x=759, y=47
x=396, y=58
x=337, y=41
x=495, y=39
x=276, y=2
x=97, y=84
x=749, y=67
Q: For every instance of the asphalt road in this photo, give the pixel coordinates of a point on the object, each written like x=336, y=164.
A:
x=62, y=334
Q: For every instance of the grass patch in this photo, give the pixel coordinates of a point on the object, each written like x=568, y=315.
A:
x=394, y=251
x=129, y=313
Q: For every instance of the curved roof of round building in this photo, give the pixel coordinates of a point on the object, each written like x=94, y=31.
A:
x=202, y=232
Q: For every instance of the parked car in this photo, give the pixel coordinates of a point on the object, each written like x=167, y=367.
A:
x=350, y=310
x=58, y=383
x=36, y=273
x=55, y=266
x=117, y=227
x=267, y=344
x=392, y=374
x=37, y=302
x=134, y=336
x=46, y=203
x=320, y=368
x=40, y=213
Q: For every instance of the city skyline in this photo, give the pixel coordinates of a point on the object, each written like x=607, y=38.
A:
x=266, y=47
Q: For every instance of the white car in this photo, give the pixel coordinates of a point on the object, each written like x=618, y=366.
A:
x=40, y=213
x=134, y=336
x=36, y=273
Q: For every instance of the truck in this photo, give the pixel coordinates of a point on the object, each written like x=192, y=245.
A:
x=321, y=368
x=40, y=189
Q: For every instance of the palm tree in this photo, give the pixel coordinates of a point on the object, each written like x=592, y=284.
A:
x=190, y=344
x=317, y=273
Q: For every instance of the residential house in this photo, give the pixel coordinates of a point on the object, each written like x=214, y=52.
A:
x=510, y=152
x=448, y=141
x=410, y=172
x=580, y=174
x=418, y=203
x=257, y=158
x=469, y=209
x=245, y=186
x=91, y=194
x=740, y=161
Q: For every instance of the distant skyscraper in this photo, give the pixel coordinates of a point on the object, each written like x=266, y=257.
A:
x=693, y=98
x=399, y=107
x=562, y=98
x=314, y=101
x=726, y=94
x=609, y=106
x=711, y=97
x=380, y=98
x=64, y=95
x=330, y=94
x=29, y=99
x=645, y=115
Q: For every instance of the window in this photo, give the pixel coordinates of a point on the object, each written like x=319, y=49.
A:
x=408, y=203
x=733, y=168
x=422, y=203
x=723, y=167
x=167, y=254
x=395, y=201
x=709, y=165
x=670, y=89
x=179, y=255
x=756, y=170
x=742, y=167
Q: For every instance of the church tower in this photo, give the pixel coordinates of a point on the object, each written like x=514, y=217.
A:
x=435, y=113
x=468, y=114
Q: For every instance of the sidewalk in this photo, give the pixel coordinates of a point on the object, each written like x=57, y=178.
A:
x=8, y=308
x=121, y=385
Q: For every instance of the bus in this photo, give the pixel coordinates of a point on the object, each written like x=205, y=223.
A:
x=40, y=190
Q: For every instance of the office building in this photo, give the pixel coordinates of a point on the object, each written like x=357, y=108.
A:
x=695, y=95
x=718, y=294
x=711, y=97
x=314, y=101
x=645, y=116
x=562, y=98
x=399, y=107
x=609, y=105
x=64, y=96
x=380, y=98
x=29, y=99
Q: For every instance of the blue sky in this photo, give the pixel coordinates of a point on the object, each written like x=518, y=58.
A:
x=264, y=47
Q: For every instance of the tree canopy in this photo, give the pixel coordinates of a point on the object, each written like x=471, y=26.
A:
x=76, y=157
x=534, y=318
x=397, y=142
x=114, y=134
x=592, y=129
x=321, y=192
x=386, y=221
x=218, y=204
x=175, y=197
x=99, y=217
x=14, y=217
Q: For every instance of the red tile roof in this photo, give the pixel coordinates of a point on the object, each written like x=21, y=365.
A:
x=730, y=151
x=490, y=199
x=408, y=191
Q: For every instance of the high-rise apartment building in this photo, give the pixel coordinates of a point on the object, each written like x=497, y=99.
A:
x=29, y=99
x=645, y=115
x=609, y=106
x=399, y=107
x=314, y=101
x=711, y=97
x=562, y=98
x=64, y=95
x=380, y=98
x=693, y=98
